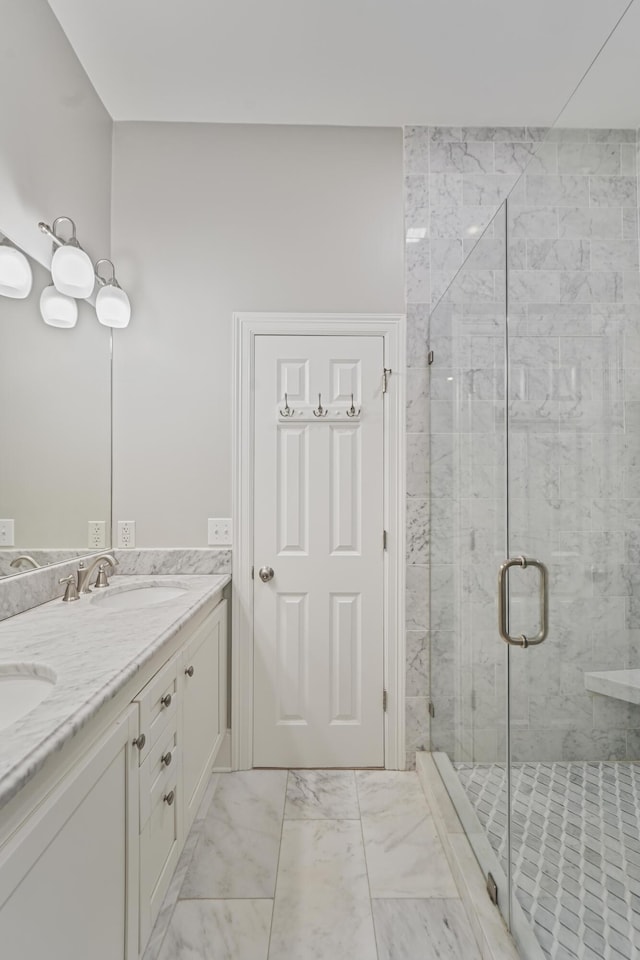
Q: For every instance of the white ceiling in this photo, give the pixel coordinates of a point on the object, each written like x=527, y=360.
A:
x=353, y=62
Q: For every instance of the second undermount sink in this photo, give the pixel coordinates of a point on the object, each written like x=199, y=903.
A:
x=137, y=596
x=22, y=687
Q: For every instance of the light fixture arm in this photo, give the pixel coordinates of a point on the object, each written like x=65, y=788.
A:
x=53, y=236
x=72, y=239
x=112, y=281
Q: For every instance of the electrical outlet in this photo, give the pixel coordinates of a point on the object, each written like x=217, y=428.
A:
x=97, y=534
x=126, y=534
x=7, y=533
x=219, y=531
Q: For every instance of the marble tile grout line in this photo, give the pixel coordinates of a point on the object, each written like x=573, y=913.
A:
x=275, y=885
x=366, y=864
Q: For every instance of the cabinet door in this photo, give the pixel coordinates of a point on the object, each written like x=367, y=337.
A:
x=160, y=846
x=68, y=878
x=202, y=730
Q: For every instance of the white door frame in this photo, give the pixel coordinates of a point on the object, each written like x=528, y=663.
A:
x=392, y=328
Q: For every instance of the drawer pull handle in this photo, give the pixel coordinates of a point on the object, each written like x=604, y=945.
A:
x=140, y=741
x=166, y=700
x=166, y=758
x=189, y=671
x=169, y=797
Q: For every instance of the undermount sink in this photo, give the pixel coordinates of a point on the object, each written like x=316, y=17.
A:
x=134, y=596
x=22, y=687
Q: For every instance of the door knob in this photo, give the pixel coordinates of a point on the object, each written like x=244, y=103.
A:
x=265, y=574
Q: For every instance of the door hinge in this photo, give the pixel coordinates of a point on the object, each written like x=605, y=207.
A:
x=384, y=700
x=432, y=710
x=252, y=573
x=384, y=539
x=430, y=357
x=492, y=889
x=386, y=376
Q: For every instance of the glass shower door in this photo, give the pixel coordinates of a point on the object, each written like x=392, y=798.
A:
x=572, y=452
x=467, y=543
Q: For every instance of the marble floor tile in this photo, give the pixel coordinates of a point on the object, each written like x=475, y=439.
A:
x=404, y=854
x=219, y=930
x=425, y=929
x=322, y=907
x=389, y=791
x=321, y=795
x=237, y=852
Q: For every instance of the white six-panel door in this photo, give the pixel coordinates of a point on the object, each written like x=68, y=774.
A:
x=318, y=523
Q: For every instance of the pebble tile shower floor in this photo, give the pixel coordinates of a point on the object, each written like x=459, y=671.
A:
x=576, y=842
x=314, y=865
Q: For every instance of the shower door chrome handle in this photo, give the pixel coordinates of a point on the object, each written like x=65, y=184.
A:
x=541, y=635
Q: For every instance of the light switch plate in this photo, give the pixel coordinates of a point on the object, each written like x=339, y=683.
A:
x=7, y=533
x=219, y=532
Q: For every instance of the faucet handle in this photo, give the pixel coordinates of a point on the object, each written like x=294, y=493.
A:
x=71, y=593
x=82, y=578
x=101, y=579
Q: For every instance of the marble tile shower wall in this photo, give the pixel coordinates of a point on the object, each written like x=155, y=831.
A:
x=574, y=307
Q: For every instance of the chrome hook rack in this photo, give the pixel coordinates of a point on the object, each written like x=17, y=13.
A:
x=352, y=412
x=288, y=411
x=320, y=411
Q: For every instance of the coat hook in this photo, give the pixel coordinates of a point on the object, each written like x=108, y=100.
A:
x=320, y=412
x=287, y=412
x=352, y=412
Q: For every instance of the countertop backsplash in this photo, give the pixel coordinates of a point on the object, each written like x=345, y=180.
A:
x=26, y=590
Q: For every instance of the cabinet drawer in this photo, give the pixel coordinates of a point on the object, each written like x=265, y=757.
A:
x=160, y=843
x=156, y=773
x=158, y=705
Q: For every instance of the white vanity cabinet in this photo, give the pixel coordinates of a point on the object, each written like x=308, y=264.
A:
x=204, y=707
x=68, y=878
x=86, y=865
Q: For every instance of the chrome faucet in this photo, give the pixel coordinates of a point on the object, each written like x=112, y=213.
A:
x=27, y=559
x=84, y=573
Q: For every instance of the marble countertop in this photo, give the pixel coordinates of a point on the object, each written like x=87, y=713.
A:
x=93, y=651
x=621, y=684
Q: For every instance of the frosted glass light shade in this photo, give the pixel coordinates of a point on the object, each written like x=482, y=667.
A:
x=16, y=277
x=72, y=272
x=112, y=306
x=57, y=309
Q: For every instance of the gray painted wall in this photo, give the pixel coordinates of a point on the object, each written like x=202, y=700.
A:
x=55, y=135
x=211, y=219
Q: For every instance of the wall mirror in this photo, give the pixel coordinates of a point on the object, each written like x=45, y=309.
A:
x=55, y=430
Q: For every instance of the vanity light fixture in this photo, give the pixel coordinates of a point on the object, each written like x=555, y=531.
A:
x=57, y=309
x=16, y=276
x=71, y=267
x=113, y=308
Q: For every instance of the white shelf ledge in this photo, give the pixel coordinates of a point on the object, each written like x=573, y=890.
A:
x=620, y=684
